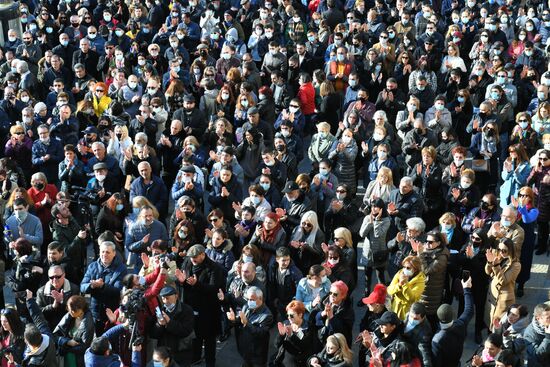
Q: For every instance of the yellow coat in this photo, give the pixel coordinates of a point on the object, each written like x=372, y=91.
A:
x=404, y=296
x=101, y=105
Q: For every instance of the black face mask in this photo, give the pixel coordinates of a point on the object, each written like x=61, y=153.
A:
x=119, y=136
x=39, y=186
x=419, y=131
x=280, y=148
x=482, y=114
x=484, y=206
x=203, y=53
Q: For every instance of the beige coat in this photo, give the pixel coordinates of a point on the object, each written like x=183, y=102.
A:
x=515, y=233
x=502, y=289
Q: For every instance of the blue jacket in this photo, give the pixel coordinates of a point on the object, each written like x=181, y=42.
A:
x=49, y=167
x=222, y=256
x=156, y=192
x=32, y=228
x=513, y=182
x=454, y=335
x=107, y=296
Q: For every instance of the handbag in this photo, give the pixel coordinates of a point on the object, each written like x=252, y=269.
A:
x=477, y=165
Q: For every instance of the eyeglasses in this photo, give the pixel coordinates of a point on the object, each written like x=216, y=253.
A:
x=214, y=219
x=384, y=37
x=431, y=241
x=100, y=90
x=523, y=120
x=290, y=316
x=19, y=133
x=502, y=250
x=293, y=105
x=57, y=277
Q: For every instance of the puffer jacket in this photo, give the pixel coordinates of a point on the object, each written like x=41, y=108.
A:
x=374, y=233
x=84, y=335
x=304, y=293
x=222, y=255
x=344, y=161
x=434, y=266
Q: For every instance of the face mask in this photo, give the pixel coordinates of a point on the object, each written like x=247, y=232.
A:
x=265, y=186
x=293, y=109
x=268, y=35
x=323, y=135
x=465, y=184
x=456, y=20
x=100, y=178
x=244, y=103
x=181, y=234
x=119, y=33
x=541, y=96
x=381, y=154
x=64, y=43
x=529, y=28
x=495, y=96
x=323, y=172
x=39, y=186
x=226, y=56
x=523, y=125
x=21, y=215
x=340, y=196
x=346, y=139
x=413, y=322
x=119, y=57
x=529, y=53
x=252, y=304
x=169, y=307
x=12, y=38
x=352, y=83
x=45, y=141
x=151, y=91
x=107, y=18
x=177, y=69
x=290, y=199
x=255, y=200
x=404, y=21
x=408, y=272
x=505, y=223
x=132, y=85
x=157, y=364
x=465, y=20
x=215, y=36
x=333, y=261
x=501, y=80
x=378, y=137
x=427, y=14
x=461, y=99
x=420, y=88
x=479, y=72
x=439, y=107
x=547, y=146
x=25, y=99
x=446, y=227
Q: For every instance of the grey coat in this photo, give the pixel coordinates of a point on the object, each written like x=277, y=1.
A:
x=374, y=234
x=319, y=148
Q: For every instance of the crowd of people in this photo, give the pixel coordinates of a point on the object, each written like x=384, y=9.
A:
x=213, y=156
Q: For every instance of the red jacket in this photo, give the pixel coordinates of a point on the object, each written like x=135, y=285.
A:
x=306, y=95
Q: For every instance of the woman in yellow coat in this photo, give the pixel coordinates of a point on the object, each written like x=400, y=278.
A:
x=101, y=100
x=407, y=286
x=503, y=268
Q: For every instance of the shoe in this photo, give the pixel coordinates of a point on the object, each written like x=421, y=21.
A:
x=197, y=362
x=477, y=337
x=519, y=292
x=540, y=251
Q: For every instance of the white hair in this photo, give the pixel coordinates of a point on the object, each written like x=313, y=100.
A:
x=256, y=291
x=416, y=223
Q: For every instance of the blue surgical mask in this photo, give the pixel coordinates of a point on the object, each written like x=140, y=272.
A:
x=135, y=211
x=501, y=80
x=247, y=259
x=255, y=200
x=142, y=281
x=265, y=186
x=413, y=322
x=157, y=364
x=64, y=43
x=340, y=57
x=461, y=99
x=252, y=304
x=495, y=96
x=505, y=223
x=119, y=207
x=323, y=172
x=446, y=227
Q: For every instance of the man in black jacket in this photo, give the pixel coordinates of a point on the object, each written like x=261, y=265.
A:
x=201, y=279
x=174, y=326
x=418, y=333
x=194, y=122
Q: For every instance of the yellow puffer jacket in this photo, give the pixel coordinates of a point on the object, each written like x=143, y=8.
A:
x=101, y=105
x=404, y=296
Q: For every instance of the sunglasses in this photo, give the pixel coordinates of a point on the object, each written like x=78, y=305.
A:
x=523, y=195
x=431, y=241
x=384, y=37
x=213, y=219
x=333, y=294
x=290, y=316
x=502, y=250
x=293, y=105
x=100, y=90
x=543, y=159
x=338, y=238
x=52, y=277
x=307, y=224
x=19, y=133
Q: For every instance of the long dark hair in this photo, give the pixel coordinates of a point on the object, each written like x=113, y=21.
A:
x=17, y=327
x=403, y=355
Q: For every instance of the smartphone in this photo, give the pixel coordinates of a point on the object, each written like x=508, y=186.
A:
x=465, y=275
x=158, y=312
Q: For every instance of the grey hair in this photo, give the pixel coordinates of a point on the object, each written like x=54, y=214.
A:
x=98, y=144
x=39, y=176
x=406, y=180
x=416, y=223
x=23, y=66
x=139, y=136
x=509, y=207
x=256, y=291
x=108, y=244
x=382, y=114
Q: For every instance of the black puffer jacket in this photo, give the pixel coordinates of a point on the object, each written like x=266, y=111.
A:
x=434, y=265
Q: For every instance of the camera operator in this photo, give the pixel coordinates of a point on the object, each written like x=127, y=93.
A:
x=174, y=326
x=99, y=186
x=159, y=257
x=52, y=297
x=74, y=238
x=25, y=225
x=144, y=232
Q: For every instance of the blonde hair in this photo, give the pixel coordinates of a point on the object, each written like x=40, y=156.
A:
x=385, y=171
x=326, y=88
x=324, y=125
x=430, y=150
x=123, y=129
x=343, y=353
x=448, y=217
x=16, y=129
x=141, y=201
x=39, y=176
x=345, y=234
x=468, y=173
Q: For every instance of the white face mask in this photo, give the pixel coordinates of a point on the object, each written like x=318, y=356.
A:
x=100, y=178
x=346, y=139
x=465, y=184
x=408, y=272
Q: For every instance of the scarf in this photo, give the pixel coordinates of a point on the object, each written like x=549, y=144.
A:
x=488, y=145
x=269, y=236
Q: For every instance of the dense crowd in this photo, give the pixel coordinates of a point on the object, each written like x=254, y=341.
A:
x=212, y=156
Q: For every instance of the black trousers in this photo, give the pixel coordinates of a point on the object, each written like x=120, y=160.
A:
x=209, y=342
